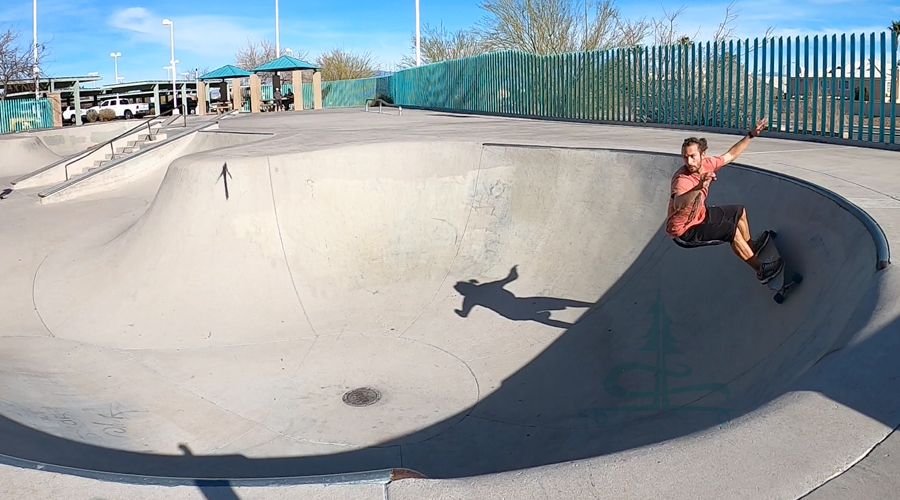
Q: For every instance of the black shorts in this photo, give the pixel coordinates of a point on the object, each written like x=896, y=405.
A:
x=718, y=227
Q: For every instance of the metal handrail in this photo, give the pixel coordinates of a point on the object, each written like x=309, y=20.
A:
x=381, y=103
x=91, y=150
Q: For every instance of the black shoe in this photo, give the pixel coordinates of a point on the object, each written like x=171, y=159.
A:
x=768, y=270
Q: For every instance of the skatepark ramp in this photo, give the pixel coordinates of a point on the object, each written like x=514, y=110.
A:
x=455, y=308
x=137, y=161
x=27, y=151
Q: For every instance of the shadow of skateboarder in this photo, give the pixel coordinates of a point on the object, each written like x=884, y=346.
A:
x=494, y=297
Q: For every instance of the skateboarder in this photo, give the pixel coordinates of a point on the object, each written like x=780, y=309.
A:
x=691, y=223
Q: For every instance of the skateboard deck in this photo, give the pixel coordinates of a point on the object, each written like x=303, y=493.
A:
x=782, y=282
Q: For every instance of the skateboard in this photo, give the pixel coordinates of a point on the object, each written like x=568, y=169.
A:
x=778, y=284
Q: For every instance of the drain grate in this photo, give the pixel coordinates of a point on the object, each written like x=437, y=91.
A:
x=364, y=396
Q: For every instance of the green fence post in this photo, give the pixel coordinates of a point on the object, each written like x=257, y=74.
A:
x=852, y=90
x=753, y=100
x=746, y=71
x=834, y=89
x=872, y=94
x=883, y=91
x=722, y=104
x=617, y=84
x=648, y=85
x=824, y=122
x=764, y=84
x=670, y=84
x=895, y=84
x=862, y=85
x=774, y=90
x=781, y=80
x=791, y=88
x=805, y=85
x=815, y=70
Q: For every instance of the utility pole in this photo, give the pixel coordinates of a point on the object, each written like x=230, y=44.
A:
x=277, y=46
x=34, y=68
x=418, y=43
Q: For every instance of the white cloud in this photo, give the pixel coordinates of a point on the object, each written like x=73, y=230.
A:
x=220, y=37
x=202, y=35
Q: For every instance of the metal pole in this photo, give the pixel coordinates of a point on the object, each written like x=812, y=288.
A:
x=277, y=46
x=418, y=37
x=34, y=69
x=172, y=62
x=585, y=25
x=115, y=56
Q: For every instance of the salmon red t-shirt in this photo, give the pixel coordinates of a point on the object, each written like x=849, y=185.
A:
x=677, y=222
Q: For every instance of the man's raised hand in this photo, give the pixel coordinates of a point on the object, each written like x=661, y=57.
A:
x=760, y=126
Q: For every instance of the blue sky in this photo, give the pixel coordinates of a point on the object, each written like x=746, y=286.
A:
x=82, y=33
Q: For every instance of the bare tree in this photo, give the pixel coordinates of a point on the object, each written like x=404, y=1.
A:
x=254, y=54
x=438, y=44
x=666, y=31
x=555, y=26
x=16, y=62
x=338, y=64
x=632, y=32
x=726, y=27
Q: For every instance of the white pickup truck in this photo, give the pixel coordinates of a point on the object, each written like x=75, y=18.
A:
x=124, y=108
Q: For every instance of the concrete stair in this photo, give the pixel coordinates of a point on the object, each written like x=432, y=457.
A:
x=155, y=135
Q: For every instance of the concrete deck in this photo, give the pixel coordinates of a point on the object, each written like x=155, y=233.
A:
x=505, y=285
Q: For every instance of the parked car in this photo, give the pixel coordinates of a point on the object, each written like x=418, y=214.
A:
x=124, y=108
x=191, y=105
x=68, y=114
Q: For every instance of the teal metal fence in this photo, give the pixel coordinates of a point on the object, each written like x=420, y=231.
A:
x=347, y=93
x=336, y=94
x=25, y=114
x=841, y=86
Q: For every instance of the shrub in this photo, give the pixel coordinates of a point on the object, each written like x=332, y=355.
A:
x=92, y=116
x=107, y=115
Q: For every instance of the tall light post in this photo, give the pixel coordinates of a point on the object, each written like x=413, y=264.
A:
x=115, y=56
x=585, y=24
x=418, y=36
x=171, y=25
x=34, y=69
x=277, y=51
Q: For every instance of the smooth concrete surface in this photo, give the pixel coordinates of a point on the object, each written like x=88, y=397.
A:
x=70, y=140
x=26, y=153
x=505, y=284
x=151, y=161
x=22, y=153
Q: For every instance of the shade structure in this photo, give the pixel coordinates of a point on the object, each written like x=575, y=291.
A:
x=284, y=63
x=227, y=71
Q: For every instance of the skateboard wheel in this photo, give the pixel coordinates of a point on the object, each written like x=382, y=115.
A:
x=779, y=298
x=798, y=278
x=772, y=234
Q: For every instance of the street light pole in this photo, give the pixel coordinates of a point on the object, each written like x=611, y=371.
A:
x=585, y=24
x=418, y=36
x=115, y=56
x=171, y=25
x=277, y=47
x=34, y=69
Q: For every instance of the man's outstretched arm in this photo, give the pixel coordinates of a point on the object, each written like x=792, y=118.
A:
x=739, y=146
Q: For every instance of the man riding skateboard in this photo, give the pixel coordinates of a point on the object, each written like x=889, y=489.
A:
x=692, y=224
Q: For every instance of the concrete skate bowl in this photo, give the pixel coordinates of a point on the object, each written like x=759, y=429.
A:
x=26, y=151
x=456, y=309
